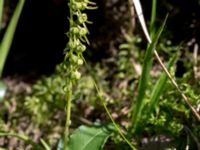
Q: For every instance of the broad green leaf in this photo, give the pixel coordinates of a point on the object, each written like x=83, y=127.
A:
x=144, y=79
x=88, y=138
x=8, y=37
x=2, y=90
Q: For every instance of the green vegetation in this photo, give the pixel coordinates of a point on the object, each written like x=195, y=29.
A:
x=116, y=104
x=7, y=39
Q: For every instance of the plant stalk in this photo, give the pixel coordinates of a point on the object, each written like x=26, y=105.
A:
x=106, y=109
x=68, y=92
x=68, y=116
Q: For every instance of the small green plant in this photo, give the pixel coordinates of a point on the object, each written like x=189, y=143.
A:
x=162, y=118
x=47, y=95
x=74, y=53
x=143, y=80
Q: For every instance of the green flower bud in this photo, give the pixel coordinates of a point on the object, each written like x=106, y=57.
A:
x=79, y=6
x=83, y=32
x=71, y=45
x=84, y=6
x=80, y=61
x=76, y=75
x=73, y=59
x=82, y=18
x=74, y=30
x=81, y=48
x=77, y=42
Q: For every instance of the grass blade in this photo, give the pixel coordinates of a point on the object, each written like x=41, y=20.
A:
x=159, y=87
x=137, y=111
x=105, y=107
x=153, y=18
x=1, y=13
x=8, y=37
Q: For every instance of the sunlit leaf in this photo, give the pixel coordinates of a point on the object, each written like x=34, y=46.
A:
x=88, y=138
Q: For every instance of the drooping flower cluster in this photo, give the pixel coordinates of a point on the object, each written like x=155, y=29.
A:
x=77, y=35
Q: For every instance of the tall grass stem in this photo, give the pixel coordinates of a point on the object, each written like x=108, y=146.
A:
x=106, y=109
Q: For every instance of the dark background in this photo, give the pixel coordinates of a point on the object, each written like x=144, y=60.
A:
x=40, y=36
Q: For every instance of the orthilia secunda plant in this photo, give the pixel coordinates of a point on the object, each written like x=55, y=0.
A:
x=73, y=60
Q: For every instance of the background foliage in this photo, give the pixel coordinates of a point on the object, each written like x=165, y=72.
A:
x=35, y=100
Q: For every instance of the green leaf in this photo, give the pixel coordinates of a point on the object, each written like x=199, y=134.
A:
x=158, y=88
x=2, y=90
x=153, y=17
x=8, y=37
x=88, y=137
x=144, y=79
x=1, y=12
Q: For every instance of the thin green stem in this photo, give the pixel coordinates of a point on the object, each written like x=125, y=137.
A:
x=106, y=109
x=8, y=37
x=153, y=18
x=1, y=13
x=68, y=115
x=69, y=91
x=111, y=118
x=71, y=14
